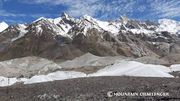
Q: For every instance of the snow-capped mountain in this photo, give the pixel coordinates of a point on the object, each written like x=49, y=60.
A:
x=15, y=31
x=65, y=23
x=137, y=27
x=169, y=25
x=67, y=37
x=3, y=26
x=88, y=22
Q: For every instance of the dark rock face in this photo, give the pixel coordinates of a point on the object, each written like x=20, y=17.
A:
x=132, y=24
x=149, y=22
x=166, y=34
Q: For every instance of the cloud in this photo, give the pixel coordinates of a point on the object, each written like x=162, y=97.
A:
x=13, y=21
x=111, y=9
x=1, y=3
x=166, y=8
x=104, y=8
x=5, y=13
x=75, y=8
x=141, y=8
x=46, y=15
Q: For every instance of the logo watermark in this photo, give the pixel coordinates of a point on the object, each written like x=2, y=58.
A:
x=134, y=94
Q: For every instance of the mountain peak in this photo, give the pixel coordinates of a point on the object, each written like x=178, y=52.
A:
x=87, y=16
x=41, y=18
x=149, y=22
x=3, y=22
x=3, y=26
x=64, y=15
x=124, y=18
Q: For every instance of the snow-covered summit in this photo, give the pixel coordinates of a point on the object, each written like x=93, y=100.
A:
x=64, y=15
x=124, y=19
x=87, y=17
x=169, y=25
x=67, y=17
x=3, y=26
x=65, y=23
x=39, y=19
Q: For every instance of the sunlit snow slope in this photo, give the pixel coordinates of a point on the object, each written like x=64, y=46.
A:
x=3, y=26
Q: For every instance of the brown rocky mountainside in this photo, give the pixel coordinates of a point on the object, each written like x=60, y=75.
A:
x=66, y=38
x=43, y=45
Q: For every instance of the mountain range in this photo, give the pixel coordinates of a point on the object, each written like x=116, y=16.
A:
x=66, y=38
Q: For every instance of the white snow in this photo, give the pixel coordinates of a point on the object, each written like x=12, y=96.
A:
x=39, y=30
x=62, y=25
x=175, y=67
x=7, y=81
x=108, y=27
x=38, y=79
x=57, y=20
x=3, y=26
x=88, y=22
x=51, y=20
x=132, y=68
x=41, y=18
x=57, y=25
x=138, y=31
x=169, y=25
x=10, y=81
x=22, y=31
x=59, y=75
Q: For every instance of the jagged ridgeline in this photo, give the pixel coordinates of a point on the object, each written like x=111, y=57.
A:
x=66, y=37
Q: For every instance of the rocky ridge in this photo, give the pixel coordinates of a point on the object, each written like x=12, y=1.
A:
x=66, y=37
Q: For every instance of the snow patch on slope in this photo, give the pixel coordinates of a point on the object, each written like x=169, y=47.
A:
x=132, y=68
x=59, y=75
x=57, y=26
x=63, y=26
x=10, y=81
x=22, y=31
x=175, y=67
x=87, y=22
